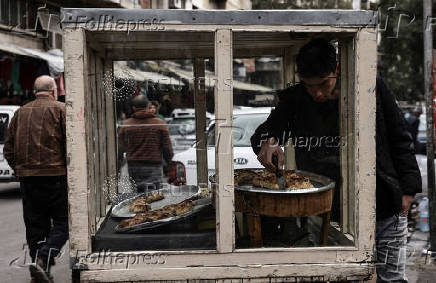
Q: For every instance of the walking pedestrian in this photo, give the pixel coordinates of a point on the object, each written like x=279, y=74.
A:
x=145, y=138
x=35, y=150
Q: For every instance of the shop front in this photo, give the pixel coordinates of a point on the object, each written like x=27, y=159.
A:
x=206, y=219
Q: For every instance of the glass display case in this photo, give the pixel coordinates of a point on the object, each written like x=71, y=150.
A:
x=164, y=113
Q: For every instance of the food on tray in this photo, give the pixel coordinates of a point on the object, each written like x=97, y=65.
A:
x=295, y=181
x=268, y=180
x=184, y=207
x=244, y=177
x=163, y=213
x=142, y=203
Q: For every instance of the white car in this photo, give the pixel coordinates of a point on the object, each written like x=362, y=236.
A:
x=6, y=114
x=182, y=128
x=245, y=122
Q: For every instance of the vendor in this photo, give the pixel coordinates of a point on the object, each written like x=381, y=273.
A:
x=309, y=112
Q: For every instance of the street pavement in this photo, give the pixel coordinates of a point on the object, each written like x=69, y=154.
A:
x=421, y=267
x=13, y=238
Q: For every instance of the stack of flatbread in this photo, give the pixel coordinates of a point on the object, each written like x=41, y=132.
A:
x=142, y=203
x=165, y=212
x=268, y=180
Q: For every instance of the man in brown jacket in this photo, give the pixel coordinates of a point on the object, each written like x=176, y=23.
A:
x=146, y=140
x=35, y=149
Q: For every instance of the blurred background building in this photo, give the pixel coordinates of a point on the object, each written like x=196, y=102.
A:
x=31, y=38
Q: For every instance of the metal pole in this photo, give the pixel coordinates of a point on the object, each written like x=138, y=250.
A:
x=428, y=48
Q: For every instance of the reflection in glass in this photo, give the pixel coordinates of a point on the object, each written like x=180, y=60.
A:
x=152, y=206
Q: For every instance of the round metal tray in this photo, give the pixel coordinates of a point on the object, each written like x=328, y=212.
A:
x=321, y=183
x=199, y=205
x=172, y=195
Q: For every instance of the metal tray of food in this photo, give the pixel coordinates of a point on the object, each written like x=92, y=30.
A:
x=321, y=183
x=199, y=205
x=172, y=194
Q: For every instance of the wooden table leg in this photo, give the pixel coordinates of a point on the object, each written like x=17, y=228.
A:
x=239, y=217
x=254, y=230
x=325, y=228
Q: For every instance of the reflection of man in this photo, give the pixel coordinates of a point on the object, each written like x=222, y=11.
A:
x=35, y=149
x=413, y=124
x=309, y=110
x=146, y=140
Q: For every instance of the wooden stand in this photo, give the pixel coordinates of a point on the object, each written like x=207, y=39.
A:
x=254, y=204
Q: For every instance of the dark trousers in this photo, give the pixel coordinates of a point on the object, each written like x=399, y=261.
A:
x=45, y=212
x=147, y=178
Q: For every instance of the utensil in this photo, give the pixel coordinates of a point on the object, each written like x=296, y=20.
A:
x=279, y=173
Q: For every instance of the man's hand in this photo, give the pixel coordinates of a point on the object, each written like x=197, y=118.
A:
x=269, y=148
x=407, y=201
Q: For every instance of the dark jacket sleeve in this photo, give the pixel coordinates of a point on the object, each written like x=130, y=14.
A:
x=400, y=142
x=167, y=148
x=8, y=149
x=276, y=125
x=121, y=144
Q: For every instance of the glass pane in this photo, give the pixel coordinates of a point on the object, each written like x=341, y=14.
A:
x=159, y=200
x=302, y=113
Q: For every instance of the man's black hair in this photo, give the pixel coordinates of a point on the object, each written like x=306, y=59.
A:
x=140, y=101
x=316, y=59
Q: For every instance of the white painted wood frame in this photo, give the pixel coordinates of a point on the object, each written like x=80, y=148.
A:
x=225, y=220
x=80, y=193
x=347, y=193
x=330, y=263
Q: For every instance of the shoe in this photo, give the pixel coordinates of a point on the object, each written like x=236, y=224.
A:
x=39, y=274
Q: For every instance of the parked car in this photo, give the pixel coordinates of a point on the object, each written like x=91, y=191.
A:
x=245, y=122
x=6, y=114
x=182, y=128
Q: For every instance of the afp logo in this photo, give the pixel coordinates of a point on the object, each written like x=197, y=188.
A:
x=240, y=161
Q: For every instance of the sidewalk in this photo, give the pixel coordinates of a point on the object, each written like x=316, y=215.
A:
x=420, y=268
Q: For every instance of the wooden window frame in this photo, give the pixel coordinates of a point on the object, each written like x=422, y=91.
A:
x=226, y=262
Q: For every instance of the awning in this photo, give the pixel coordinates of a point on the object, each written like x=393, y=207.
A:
x=122, y=71
x=11, y=48
x=210, y=81
x=54, y=57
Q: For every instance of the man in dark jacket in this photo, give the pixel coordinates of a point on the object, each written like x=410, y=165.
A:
x=146, y=140
x=35, y=150
x=308, y=112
